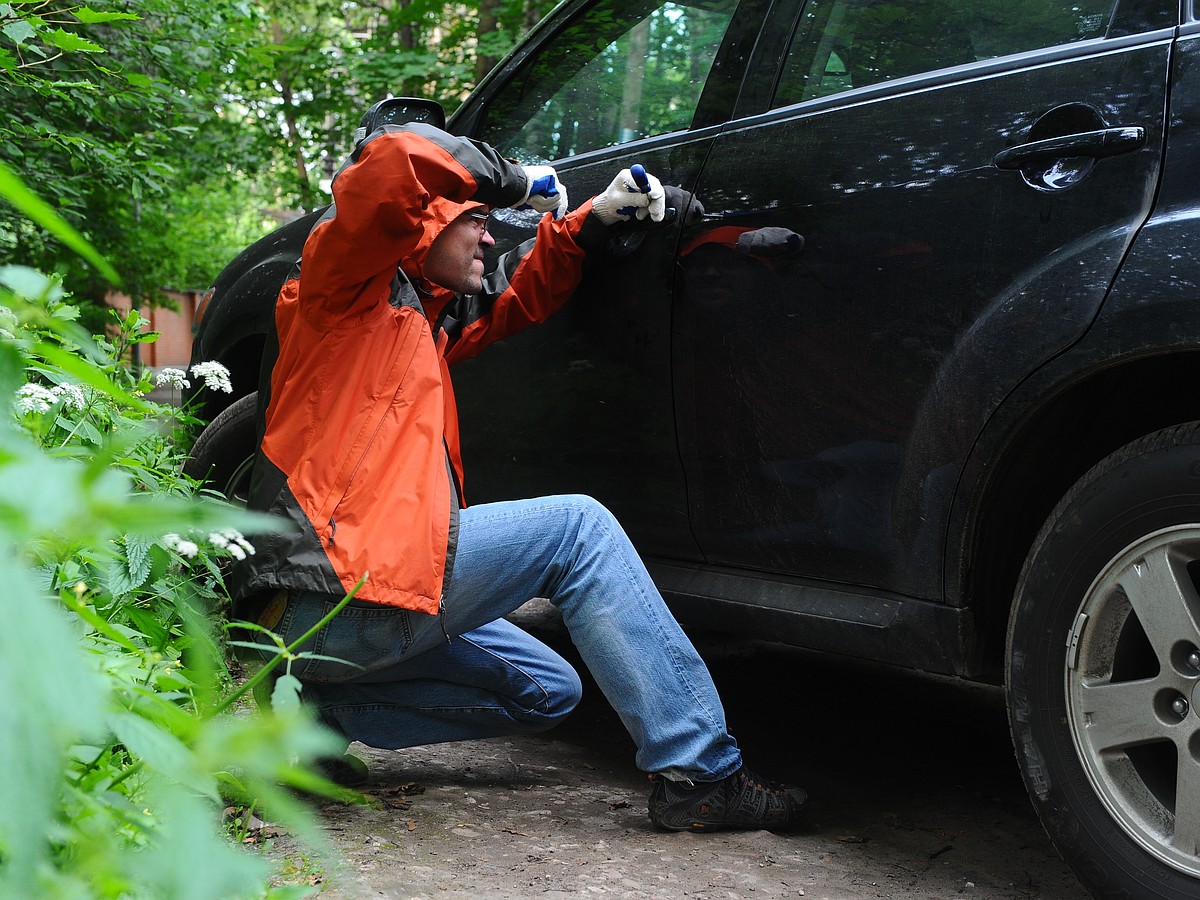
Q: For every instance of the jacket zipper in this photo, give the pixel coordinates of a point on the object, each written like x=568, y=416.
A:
x=442, y=618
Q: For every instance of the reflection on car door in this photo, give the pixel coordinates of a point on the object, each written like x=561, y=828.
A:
x=828, y=393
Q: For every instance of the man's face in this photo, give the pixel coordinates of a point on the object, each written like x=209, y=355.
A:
x=455, y=259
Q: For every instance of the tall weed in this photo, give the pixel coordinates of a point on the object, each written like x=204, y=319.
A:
x=119, y=738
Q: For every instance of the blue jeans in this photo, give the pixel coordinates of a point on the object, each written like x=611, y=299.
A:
x=417, y=680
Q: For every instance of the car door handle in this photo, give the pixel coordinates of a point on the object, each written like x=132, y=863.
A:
x=1095, y=144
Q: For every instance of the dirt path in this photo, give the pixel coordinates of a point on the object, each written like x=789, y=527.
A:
x=915, y=794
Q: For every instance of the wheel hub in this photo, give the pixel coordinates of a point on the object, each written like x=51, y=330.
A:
x=1132, y=681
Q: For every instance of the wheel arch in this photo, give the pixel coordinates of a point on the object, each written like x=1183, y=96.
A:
x=241, y=311
x=1030, y=456
x=243, y=359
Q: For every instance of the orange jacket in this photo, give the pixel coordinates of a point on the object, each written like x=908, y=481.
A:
x=360, y=449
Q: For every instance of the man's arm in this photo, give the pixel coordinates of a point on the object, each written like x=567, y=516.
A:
x=378, y=217
x=535, y=279
x=529, y=283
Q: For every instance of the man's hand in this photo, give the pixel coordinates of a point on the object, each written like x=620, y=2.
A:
x=633, y=194
x=544, y=192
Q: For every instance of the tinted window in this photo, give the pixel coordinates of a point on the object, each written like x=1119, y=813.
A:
x=619, y=72
x=843, y=44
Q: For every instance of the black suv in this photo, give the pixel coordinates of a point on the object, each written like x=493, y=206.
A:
x=914, y=376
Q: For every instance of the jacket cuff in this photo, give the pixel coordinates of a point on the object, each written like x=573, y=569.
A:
x=592, y=234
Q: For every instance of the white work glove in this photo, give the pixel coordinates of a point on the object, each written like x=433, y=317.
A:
x=543, y=191
x=633, y=194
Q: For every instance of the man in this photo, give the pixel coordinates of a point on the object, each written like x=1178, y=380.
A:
x=360, y=451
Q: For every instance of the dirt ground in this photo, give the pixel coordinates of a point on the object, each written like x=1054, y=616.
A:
x=914, y=794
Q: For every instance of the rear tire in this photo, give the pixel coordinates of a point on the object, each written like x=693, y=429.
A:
x=223, y=455
x=1103, y=665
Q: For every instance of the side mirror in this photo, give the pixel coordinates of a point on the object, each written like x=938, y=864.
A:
x=400, y=111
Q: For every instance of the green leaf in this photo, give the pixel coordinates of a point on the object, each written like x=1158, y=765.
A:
x=160, y=750
x=149, y=625
x=285, y=697
x=29, y=283
x=93, y=17
x=137, y=559
x=71, y=43
x=49, y=708
x=169, y=866
x=17, y=29
x=89, y=615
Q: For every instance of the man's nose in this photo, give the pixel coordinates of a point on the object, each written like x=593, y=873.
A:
x=485, y=238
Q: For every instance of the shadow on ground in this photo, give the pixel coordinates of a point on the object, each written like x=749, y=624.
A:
x=915, y=794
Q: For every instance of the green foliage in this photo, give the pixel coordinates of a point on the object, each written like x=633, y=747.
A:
x=118, y=732
x=109, y=111
x=167, y=133
x=171, y=133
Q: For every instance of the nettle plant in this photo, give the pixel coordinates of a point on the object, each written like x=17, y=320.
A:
x=121, y=730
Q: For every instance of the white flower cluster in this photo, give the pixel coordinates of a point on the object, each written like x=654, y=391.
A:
x=232, y=541
x=71, y=395
x=34, y=398
x=176, y=378
x=215, y=375
x=179, y=545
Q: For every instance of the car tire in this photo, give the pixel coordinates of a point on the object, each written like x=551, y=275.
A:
x=223, y=455
x=1103, y=663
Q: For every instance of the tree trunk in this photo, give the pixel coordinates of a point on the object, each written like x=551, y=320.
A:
x=292, y=130
x=488, y=21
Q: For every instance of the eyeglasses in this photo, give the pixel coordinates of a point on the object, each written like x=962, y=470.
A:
x=481, y=220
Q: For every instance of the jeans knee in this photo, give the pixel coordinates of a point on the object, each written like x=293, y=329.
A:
x=592, y=520
x=590, y=507
x=560, y=698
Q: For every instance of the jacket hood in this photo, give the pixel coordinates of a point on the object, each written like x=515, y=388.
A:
x=439, y=213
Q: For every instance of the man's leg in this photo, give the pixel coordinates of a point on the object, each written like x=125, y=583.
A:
x=571, y=551
x=494, y=680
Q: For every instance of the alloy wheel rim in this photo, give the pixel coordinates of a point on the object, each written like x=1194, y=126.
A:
x=1133, y=692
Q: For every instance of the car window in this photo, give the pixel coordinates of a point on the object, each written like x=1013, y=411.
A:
x=619, y=72
x=843, y=44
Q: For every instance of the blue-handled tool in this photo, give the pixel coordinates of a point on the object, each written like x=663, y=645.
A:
x=641, y=182
x=639, y=178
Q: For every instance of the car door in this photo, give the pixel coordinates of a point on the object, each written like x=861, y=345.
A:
x=583, y=403
x=918, y=203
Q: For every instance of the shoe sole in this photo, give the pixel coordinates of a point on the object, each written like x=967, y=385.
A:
x=697, y=827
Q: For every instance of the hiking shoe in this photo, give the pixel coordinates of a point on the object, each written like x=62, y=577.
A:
x=742, y=800
x=346, y=770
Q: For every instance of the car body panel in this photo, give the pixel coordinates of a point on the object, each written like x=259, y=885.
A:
x=805, y=442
